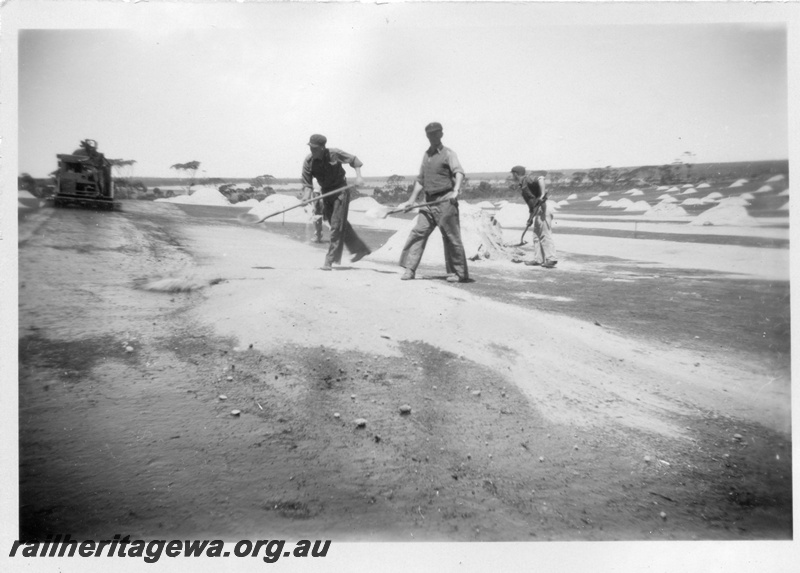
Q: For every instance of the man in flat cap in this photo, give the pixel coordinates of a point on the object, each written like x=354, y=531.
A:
x=440, y=176
x=534, y=194
x=325, y=165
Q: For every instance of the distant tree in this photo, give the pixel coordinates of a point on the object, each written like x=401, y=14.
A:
x=597, y=174
x=614, y=175
x=578, y=177
x=262, y=180
x=556, y=177
x=394, y=181
x=123, y=168
x=666, y=174
x=26, y=182
x=688, y=160
x=189, y=167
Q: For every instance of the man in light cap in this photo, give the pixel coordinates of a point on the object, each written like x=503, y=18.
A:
x=534, y=194
x=440, y=176
x=325, y=165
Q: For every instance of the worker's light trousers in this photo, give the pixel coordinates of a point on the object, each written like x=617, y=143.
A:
x=445, y=216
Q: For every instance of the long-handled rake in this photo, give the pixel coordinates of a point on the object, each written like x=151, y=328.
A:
x=382, y=212
x=252, y=219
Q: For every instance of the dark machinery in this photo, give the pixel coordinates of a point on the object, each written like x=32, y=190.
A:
x=84, y=179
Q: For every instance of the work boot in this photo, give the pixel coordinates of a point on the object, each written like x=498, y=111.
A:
x=358, y=256
x=456, y=279
x=549, y=264
x=326, y=267
x=533, y=263
x=408, y=275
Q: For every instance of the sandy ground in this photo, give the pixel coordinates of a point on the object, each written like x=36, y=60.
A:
x=525, y=423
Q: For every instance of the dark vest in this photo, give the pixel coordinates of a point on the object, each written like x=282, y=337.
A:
x=328, y=176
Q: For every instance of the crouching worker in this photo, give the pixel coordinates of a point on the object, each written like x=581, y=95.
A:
x=440, y=176
x=325, y=165
x=534, y=194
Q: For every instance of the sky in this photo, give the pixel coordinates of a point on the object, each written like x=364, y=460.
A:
x=240, y=88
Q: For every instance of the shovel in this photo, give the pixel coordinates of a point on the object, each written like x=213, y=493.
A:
x=251, y=218
x=383, y=212
x=522, y=240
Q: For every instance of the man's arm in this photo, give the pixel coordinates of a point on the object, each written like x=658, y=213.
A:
x=414, y=193
x=308, y=184
x=349, y=159
x=458, y=171
x=359, y=179
x=457, y=187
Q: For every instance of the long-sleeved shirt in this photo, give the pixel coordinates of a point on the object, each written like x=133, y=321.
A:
x=328, y=170
x=438, y=170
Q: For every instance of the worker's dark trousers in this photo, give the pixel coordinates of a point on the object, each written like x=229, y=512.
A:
x=334, y=210
x=444, y=216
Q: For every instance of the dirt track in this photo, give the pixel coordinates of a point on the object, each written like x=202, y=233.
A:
x=524, y=424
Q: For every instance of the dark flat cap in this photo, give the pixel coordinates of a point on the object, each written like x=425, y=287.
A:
x=434, y=126
x=317, y=140
x=518, y=169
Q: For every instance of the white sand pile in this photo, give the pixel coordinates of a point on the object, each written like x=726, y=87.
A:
x=664, y=197
x=713, y=196
x=500, y=204
x=668, y=199
x=279, y=202
x=481, y=233
x=738, y=183
x=201, y=195
x=249, y=203
x=672, y=189
x=596, y=198
x=23, y=194
x=725, y=214
x=775, y=178
x=666, y=209
x=603, y=194
x=784, y=207
x=607, y=203
x=703, y=186
x=572, y=197
x=623, y=203
x=363, y=204
x=735, y=201
x=784, y=193
x=633, y=192
x=763, y=189
x=689, y=191
x=747, y=196
x=686, y=186
x=662, y=188
x=513, y=215
x=484, y=205
x=562, y=203
x=638, y=207
x=693, y=201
